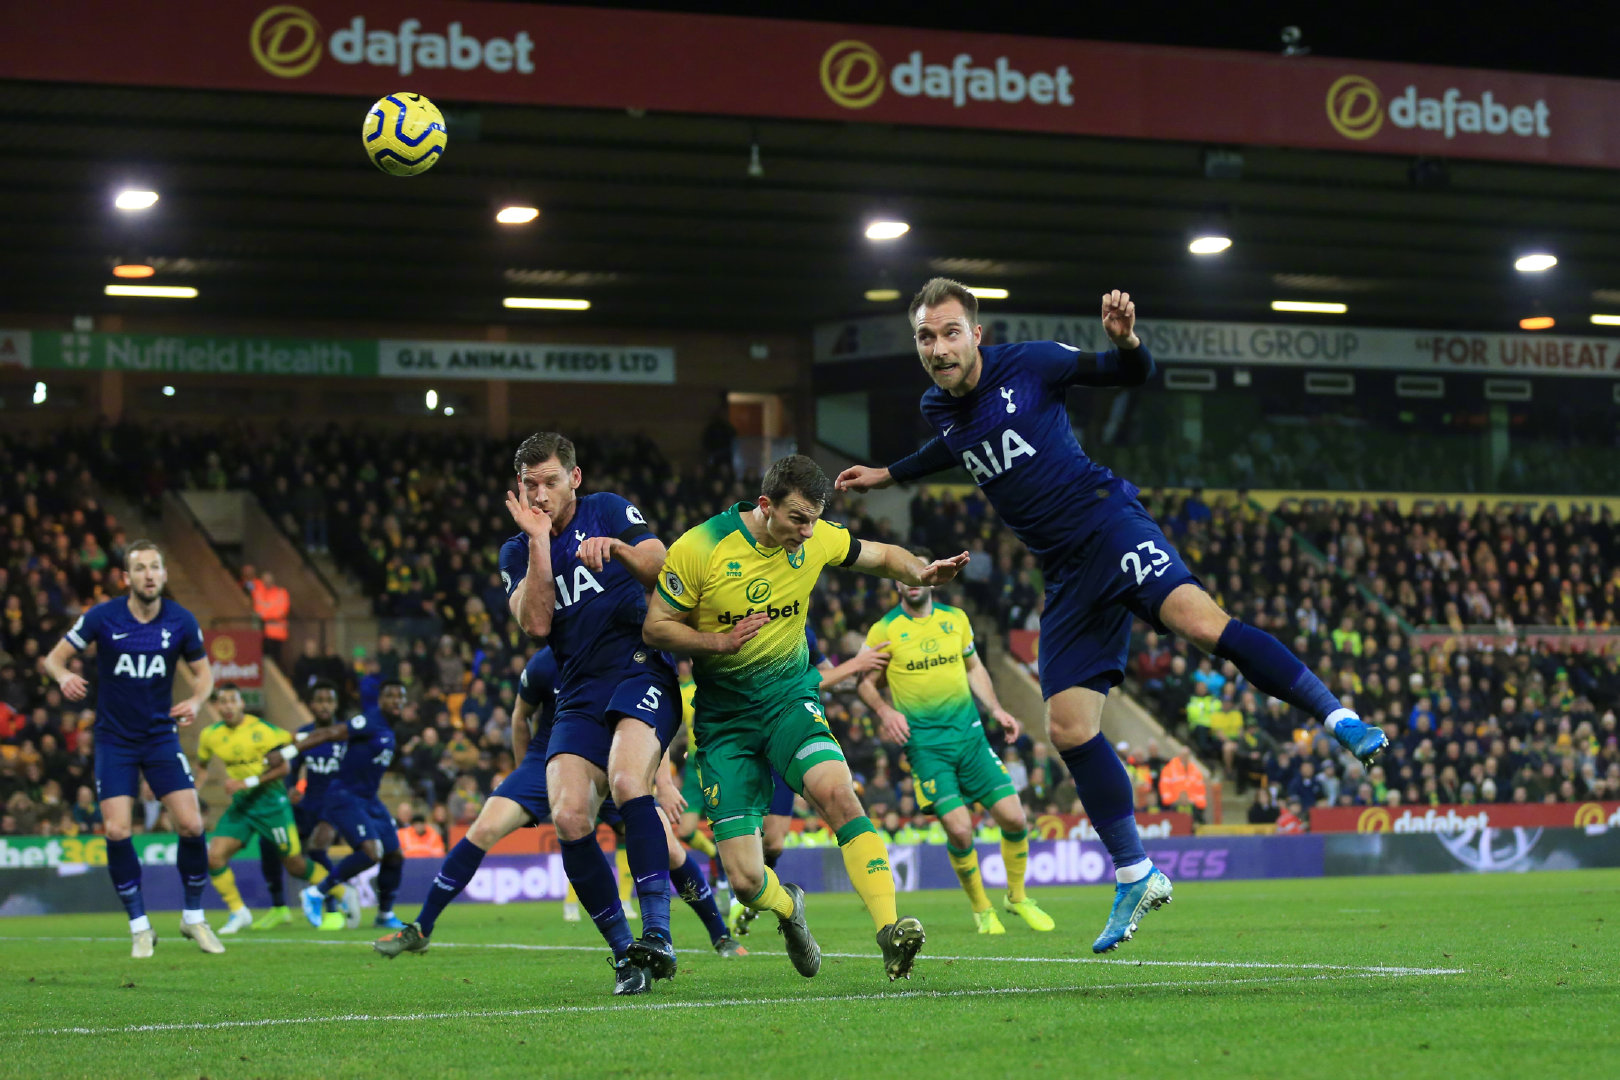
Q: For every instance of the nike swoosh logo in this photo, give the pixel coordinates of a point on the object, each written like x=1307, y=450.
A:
x=947, y=431
x=120, y=637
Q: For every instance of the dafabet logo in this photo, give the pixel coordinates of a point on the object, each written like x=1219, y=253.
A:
x=287, y=42
x=854, y=77
x=1355, y=108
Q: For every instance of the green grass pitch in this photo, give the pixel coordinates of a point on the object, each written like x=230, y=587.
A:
x=1455, y=976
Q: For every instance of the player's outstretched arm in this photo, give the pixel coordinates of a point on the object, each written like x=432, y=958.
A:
x=979, y=680
x=897, y=564
x=934, y=457
x=330, y=733
x=667, y=628
x=74, y=687
x=643, y=559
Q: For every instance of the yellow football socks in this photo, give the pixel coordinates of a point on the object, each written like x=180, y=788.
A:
x=866, y=860
x=699, y=841
x=225, y=884
x=966, y=865
x=1015, y=855
x=317, y=872
x=772, y=897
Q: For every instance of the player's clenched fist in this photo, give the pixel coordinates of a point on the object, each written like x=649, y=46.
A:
x=862, y=478
x=742, y=632
x=1119, y=319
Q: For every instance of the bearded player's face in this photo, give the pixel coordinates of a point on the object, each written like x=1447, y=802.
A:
x=948, y=345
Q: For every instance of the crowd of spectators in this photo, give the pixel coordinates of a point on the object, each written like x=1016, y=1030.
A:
x=1468, y=723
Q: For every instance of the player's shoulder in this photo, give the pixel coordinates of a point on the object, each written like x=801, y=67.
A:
x=887, y=617
x=174, y=611
x=520, y=542
x=217, y=730
x=306, y=729
x=705, y=538
x=949, y=611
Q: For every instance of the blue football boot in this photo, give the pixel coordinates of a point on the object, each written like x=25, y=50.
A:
x=1131, y=903
x=314, y=905
x=389, y=921
x=1362, y=739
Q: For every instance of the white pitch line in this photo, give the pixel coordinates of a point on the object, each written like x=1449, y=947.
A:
x=1230, y=965
x=659, y=1006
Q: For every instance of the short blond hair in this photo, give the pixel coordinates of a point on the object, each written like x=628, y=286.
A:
x=938, y=291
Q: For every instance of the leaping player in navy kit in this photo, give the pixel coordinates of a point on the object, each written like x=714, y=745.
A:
x=139, y=642
x=1000, y=414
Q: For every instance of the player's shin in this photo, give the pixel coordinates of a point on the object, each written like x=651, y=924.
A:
x=966, y=865
x=648, y=852
x=124, y=867
x=191, y=859
x=355, y=862
x=274, y=880
x=458, y=869
x=1015, y=857
x=866, y=860
x=1110, y=802
x=389, y=876
x=771, y=897
x=694, y=888
x=592, y=877
x=1275, y=670
x=225, y=884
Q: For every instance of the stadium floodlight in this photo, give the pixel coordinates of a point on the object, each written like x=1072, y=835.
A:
x=40, y=393
x=886, y=230
x=882, y=296
x=449, y=410
x=1606, y=320
x=134, y=270
x=131, y=199
x=546, y=303
x=1537, y=322
x=432, y=400
x=985, y=293
x=1209, y=245
x=168, y=391
x=1315, y=307
x=517, y=215
x=1535, y=262
x=170, y=292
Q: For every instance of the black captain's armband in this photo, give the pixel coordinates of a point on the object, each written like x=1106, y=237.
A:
x=854, y=552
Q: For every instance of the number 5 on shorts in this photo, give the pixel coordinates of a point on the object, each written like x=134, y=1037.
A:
x=650, y=702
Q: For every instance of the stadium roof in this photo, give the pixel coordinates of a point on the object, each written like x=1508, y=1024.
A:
x=269, y=208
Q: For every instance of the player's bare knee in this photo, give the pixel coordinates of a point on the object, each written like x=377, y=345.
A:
x=218, y=861
x=393, y=858
x=842, y=806
x=960, y=834
x=484, y=834
x=572, y=823
x=746, y=881
x=118, y=831
x=627, y=784
x=1010, y=819
x=189, y=827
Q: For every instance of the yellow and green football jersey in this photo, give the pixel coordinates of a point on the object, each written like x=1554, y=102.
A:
x=242, y=749
x=721, y=572
x=927, y=671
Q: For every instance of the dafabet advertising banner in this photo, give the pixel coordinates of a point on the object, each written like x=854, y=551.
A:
x=577, y=57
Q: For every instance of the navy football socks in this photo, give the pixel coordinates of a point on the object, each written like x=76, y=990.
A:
x=458, y=869
x=1106, y=793
x=356, y=862
x=597, y=884
x=693, y=886
x=274, y=880
x=388, y=879
x=648, y=850
x=191, y=859
x=1273, y=669
x=124, y=867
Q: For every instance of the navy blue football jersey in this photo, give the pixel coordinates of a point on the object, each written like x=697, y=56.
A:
x=369, y=753
x=135, y=664
x=817, y=658
x=320, y=765
x=538, y=687
x=1011, y=433
x=596, y=625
